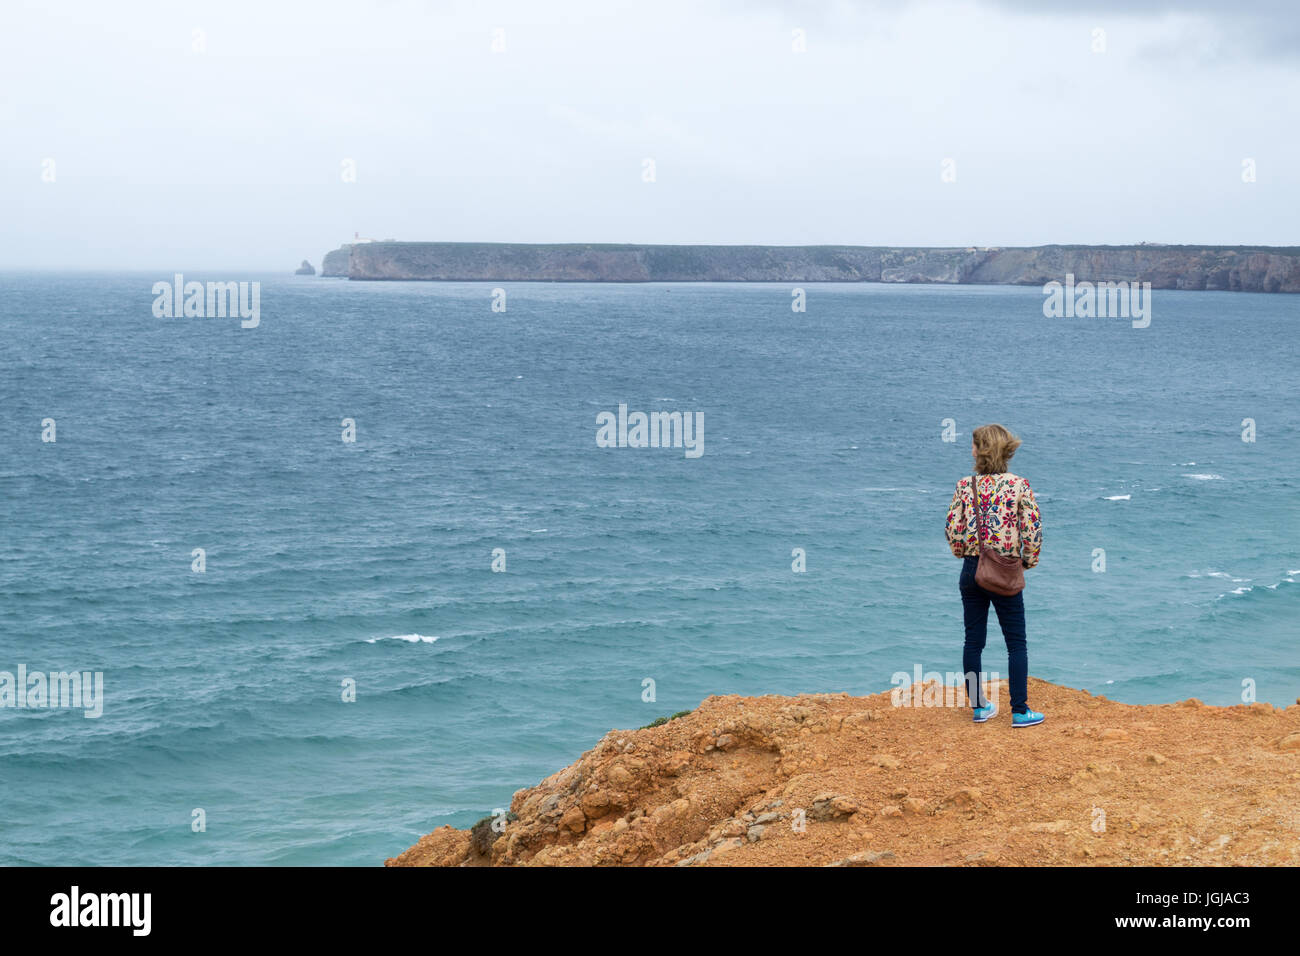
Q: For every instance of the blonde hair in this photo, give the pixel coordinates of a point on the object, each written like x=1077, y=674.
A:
x=994, y=446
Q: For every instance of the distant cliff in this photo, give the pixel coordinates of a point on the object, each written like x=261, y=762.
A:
x=1230, y=268
x=336, y=263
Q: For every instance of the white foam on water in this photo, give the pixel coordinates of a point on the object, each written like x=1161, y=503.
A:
x=409, y=638
x=1204, y=477
x=1118, y=497
x=1245, y=589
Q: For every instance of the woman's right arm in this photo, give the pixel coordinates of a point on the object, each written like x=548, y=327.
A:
x=956, y=526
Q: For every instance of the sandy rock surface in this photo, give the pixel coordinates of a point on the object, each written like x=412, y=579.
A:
x=834, y=780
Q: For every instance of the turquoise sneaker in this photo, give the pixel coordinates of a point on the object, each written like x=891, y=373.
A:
x=987, y=712
x=1027, y=719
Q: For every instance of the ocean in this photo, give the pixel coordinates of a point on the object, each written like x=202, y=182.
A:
x=637, y=581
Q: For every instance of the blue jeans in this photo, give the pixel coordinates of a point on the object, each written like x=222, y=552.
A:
x=1011, y=616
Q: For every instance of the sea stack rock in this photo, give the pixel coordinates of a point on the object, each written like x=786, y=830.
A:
x=306, y=269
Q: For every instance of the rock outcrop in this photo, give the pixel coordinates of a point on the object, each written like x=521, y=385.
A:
x=306, y=269
x=1236, y=269
x=834, y=780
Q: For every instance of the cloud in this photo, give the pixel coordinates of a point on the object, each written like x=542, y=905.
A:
x=1222, y=32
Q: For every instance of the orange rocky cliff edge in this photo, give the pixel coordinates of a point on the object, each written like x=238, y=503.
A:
x=1100, y=783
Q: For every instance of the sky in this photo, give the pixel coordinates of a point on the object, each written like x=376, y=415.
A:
x=252, y=135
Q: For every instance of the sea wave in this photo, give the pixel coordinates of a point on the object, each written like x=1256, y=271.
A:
x=409, y=638
x=1218, y=574
x=1248, y=588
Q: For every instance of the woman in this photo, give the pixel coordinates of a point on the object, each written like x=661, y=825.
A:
x=1012, y=527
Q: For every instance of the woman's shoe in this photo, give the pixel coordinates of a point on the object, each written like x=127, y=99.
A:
x=987, y=712
x=1027, y=719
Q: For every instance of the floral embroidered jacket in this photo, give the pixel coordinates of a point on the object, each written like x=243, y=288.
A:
x=1012, y=523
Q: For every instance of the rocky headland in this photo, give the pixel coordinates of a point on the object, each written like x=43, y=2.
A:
x=1227, y=268
x=336, y=263
x=835, y=780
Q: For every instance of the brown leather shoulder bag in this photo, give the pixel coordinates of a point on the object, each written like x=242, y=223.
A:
x=995, y=572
